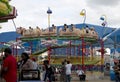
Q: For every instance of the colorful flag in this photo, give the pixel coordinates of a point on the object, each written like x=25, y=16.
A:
x=102, y=18
x=83, y=12
x=104, y=23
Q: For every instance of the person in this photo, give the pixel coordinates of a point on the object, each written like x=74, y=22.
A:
x=62, y=73
x=72, y=26
x=49, y=71
x=53, y=27
x=68, y=68
x=81, y=74
x=65, y=27
x=26, y=63
x=42, y=72
x=116, y=70
x=35, y=65
x=65, y=61
x=9, y=66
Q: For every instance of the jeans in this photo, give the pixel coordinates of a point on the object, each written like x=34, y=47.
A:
x=49, y=77
x=117, y=78
x=68, y=78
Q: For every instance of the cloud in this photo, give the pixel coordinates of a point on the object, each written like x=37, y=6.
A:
x=34, y=13
x=102, y=2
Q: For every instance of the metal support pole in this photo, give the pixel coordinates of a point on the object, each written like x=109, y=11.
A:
x=67, y=52
x=49, y=21
x=49, y=48
x=31, y=45
x=74, y=49
x=70, y=48
x=49, y=52
x=91, y=58
x=13, y=49
x=102, y=54
x=82, y=53
x=16, y=50
x=14, y=24
x=79, y=50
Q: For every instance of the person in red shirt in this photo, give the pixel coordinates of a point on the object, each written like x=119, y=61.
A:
x=9, y=67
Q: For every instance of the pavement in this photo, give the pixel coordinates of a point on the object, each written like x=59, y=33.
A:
x=105, y=79
x=92, y=77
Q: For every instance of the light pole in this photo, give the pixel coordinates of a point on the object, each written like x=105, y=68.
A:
x=49, y=11
x=104, y=19
x=104, y=23
x=83, y=13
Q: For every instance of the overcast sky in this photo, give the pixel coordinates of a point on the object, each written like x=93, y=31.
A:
x=34, y=13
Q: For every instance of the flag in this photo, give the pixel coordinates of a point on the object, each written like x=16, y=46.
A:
x=83, y=12
x=104, y=23
x=102, y=18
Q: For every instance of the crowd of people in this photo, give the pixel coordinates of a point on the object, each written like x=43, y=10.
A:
x=10, y=68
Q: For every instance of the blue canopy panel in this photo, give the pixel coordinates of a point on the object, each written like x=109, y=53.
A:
x=115, y=37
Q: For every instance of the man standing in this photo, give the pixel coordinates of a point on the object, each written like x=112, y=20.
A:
x=68, y=68
x=63, y=73
x=49, y=71
x=116, y=70
x=9, y=67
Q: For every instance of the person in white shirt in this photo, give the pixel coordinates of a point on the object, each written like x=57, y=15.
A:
x=68, y=68
x=81, y=74
x=35, y=65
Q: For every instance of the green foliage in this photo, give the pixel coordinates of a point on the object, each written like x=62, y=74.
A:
x=3, y=21
x=5, y=8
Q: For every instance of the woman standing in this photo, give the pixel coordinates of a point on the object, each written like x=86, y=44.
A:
x=26, y=62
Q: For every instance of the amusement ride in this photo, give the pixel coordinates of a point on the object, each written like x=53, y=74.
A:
x=66, y=42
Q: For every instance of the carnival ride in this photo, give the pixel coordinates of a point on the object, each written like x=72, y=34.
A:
x=68, y=42
x=63, y=43
x=53, y=39
x=51, y=32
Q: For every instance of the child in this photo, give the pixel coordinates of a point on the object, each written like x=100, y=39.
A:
x=81, y=74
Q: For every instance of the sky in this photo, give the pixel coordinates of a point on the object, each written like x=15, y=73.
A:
x=34, y=13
